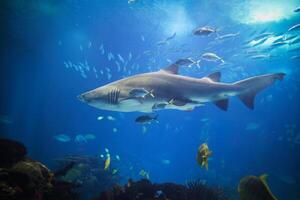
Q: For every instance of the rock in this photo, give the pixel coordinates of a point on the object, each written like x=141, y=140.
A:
x=39, y=175
x=11, y=152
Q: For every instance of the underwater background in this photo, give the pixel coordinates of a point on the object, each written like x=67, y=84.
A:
x=52, y=51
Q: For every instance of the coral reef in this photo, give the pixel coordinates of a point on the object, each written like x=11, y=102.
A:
x=24, y=178
x=88, y=172
x=145, y=190
x=198, y=189
x=83, y=177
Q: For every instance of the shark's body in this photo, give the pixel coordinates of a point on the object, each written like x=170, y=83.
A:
x=172, y=91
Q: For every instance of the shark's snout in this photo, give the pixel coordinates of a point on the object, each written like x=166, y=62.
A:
x=84, y=97
x=87, y=97
x=81, y=98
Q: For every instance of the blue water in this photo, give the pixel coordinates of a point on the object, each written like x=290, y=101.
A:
x=40, y=40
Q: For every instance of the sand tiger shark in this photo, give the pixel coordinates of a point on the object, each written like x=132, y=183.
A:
x=166, y=89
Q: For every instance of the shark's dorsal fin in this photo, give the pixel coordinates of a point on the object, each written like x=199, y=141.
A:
x=172, y=69
x=216, y=76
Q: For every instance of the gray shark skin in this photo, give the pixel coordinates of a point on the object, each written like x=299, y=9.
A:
x=172, y=91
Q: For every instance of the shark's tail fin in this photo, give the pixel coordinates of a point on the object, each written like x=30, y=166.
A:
x=251, y=86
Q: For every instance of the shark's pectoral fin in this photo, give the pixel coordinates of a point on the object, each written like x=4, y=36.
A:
x=178, y=102
x=189, y=109
x=182, y=104
x=222, y=104
x=131, y=101
x=158, y=106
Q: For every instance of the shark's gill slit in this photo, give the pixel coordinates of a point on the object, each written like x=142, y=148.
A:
x=109, y=97
x=113, y=96
x=117, y=95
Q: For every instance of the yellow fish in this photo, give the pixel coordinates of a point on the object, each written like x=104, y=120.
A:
x=203, y=154
x=255, y=188
x=107, y=163
x=144, y=174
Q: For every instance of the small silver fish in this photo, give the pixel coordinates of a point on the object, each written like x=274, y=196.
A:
x=296, y=57
x=100, y=118
x=131, y=1
x=121, y=58
x=111, y=118
x=212, y=57
x=262, y=35
x=80, y=139
x=260, y=56
x=261, y=41
x=295, y=27
x=129, y=56
x=278, y=44
x=187, y=61
x=101, y=48
x=171, y=37
x=279, y=39
x=297, y=9
x=286, y=38
x=110, y=56
x=89, y=136
x=146, y=119
x=62, y=138
x=163, y=42
x=227, y=36
x=140, y=93
x=204, y=31
x=295, y=41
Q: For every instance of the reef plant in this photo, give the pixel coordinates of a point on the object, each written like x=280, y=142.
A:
x=197, y=188
x=145, y=190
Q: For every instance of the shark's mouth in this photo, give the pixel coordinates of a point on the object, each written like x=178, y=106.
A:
x=113, y=96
